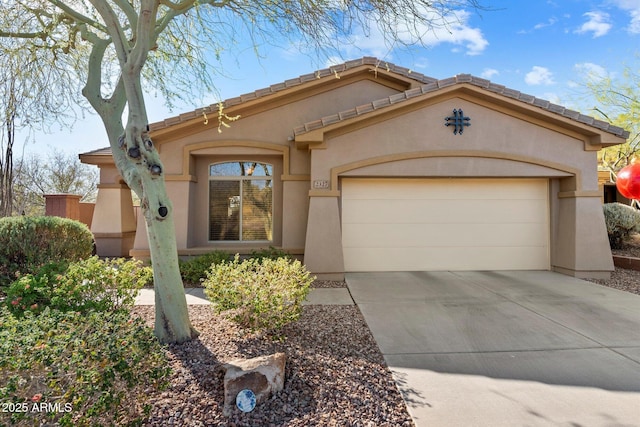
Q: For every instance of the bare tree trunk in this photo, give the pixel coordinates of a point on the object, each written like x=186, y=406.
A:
x=6, y=158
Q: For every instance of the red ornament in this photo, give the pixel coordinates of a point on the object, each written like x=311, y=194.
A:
x=628, y=181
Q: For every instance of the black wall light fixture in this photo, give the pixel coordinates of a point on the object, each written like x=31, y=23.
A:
x=458, y=121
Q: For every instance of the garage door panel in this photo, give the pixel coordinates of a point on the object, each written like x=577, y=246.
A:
x=436, y=224
x=435, y=235
x=445, y=189
x=435, y=259
x=377, y=211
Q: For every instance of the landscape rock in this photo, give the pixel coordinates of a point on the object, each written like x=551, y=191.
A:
x=263, y=375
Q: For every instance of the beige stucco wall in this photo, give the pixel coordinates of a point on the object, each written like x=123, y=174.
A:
x=113, y=224
x=275, y=125
x=263, y=136
x=404, y=140
x=416, y=143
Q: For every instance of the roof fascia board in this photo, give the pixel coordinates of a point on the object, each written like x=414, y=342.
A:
x=97, y=159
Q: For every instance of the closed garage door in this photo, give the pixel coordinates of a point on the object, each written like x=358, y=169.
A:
x=445, y=224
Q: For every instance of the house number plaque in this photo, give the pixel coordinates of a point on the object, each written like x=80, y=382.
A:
x=321, y=184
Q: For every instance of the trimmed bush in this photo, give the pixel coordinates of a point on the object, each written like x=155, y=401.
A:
x=91, y=284
x=85, y=369
x=258, y=294
x=27, y=243
x=194, y=270
x=621, y=220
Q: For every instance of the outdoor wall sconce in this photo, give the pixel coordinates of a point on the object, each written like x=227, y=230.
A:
x=458, y=121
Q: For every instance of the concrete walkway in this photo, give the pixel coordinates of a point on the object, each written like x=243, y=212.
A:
x=506, y=348
x=195, y=296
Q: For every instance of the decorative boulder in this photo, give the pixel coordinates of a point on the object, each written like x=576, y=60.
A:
x=263, y=375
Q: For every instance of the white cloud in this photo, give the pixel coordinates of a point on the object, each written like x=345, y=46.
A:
x=421, y=63
x=549, y=23
x=634, y=25
x=488, y=73
x=456, y=31
x=539, y=76
x=552, y=97
x=597, y=23
x=591, y=71
x=633, y=7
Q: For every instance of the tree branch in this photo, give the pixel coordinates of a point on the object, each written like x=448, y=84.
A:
x=77, y=16
x=114, y=29
x=145, y=36
x=20, y=35
x=128, y=10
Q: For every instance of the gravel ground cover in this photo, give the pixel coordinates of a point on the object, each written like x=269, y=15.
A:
x=630, y=248
x=622, y=278
x=335, y=374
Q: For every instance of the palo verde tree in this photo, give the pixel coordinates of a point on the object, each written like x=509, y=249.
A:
x=114, y=47
x=618, y=102
x=28, y=99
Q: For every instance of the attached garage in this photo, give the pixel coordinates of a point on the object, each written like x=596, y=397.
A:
x=378, y=167
x=445, y=224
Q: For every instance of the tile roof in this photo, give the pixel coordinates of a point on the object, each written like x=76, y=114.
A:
x=428, y=84
x=99, y=152
x=485, y=84
x=334, y=70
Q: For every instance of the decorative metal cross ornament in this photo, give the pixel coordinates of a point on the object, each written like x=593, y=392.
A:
x=458, y=121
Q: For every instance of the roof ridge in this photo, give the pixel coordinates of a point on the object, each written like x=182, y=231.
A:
x=333, y=70
x=451, y=81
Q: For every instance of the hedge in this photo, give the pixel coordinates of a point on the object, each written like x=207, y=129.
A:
x=27, y=243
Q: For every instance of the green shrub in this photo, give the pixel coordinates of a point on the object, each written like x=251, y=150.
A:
x=89, y=369
x=621, y=220
x=270, y=253
x=258, y=294
x=194, y=270
x=91, y=284
x=27, y=243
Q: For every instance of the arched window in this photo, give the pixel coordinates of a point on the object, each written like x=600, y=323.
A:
x=240, y=201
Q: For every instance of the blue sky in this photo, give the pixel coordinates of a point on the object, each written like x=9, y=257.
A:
x=540, y=47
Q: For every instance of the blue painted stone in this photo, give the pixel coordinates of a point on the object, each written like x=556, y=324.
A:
x=246, y=400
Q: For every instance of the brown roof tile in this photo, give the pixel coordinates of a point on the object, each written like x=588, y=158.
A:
x=543, y=103
x=484, y=84
x=348, y=114
x=106, y=151
x=274, y=88
x=429, y=84
x=397, y=97
x=447, y=82
x=494, y=87
x=511, y=93
x=381, y=103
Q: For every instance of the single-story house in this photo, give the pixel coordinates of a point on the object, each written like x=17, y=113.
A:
x=368, y=166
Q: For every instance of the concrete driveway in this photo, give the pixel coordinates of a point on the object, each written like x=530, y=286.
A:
x=521, y=348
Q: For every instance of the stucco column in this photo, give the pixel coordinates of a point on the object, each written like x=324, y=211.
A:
x=295, y=213
x=113, y=224
x=140, y=248
x=582, y=248
x=323, y=247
